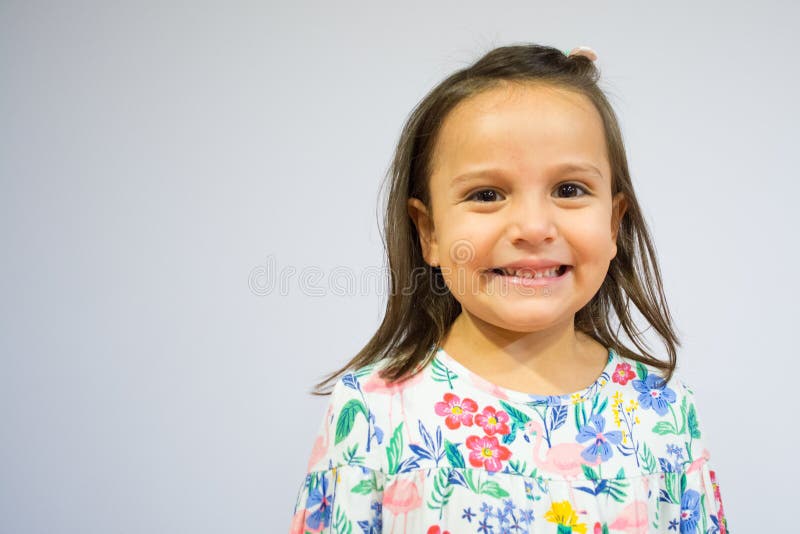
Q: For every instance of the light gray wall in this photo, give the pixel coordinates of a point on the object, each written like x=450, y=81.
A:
x=153, y=158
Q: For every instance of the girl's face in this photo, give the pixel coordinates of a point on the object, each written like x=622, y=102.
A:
x=521, y=173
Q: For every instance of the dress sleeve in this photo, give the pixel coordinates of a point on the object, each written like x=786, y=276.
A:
x=706, y=500
x=342, y=490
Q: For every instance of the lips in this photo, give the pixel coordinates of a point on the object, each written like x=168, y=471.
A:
x=550, y=272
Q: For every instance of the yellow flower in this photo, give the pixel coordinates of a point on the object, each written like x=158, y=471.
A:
x=562, y=514
x=637, y=419
x=576, y=398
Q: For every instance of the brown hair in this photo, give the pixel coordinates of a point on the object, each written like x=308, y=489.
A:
x=416, y=320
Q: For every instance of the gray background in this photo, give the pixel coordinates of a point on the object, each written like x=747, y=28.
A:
x=159, y=160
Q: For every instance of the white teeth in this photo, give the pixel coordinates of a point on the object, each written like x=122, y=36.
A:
x=548, y=273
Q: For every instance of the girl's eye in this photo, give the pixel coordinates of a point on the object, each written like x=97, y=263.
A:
x=568, y=188
x=485, y=195
x=490, y=195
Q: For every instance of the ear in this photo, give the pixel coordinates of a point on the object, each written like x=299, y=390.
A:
x=619, y=206
x=427, y=235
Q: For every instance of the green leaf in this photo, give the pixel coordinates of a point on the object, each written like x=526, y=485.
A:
x=442, y=490
x=648, y=460
x=641, y=370
x=694, y=429
x=589, y=472
x=516, y=415
x=454, y=456
x=620, y=473
x=364, y=487
x=493, y=489
x=442, y=373
x=468, y=474
x=341, y=523
x=347, y=417
x=602, y=406
x=395, y=449
x=664, y=427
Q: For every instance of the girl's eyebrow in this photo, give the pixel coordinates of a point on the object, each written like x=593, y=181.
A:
x=556, y=169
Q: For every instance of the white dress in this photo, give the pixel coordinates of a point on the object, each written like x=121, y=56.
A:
x=448, y=452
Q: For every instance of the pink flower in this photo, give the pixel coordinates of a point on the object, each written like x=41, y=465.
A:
x=492, y=421
x=723, y=524
x=623, y=373
x=456, y=410
x=487, y=452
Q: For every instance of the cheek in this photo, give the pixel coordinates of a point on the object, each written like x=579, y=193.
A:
x=591, y=240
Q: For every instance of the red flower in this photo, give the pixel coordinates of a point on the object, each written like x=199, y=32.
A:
x=623, y=373
x=436, y=530
x=492, y=421
x=456, y=410
x=487, y=452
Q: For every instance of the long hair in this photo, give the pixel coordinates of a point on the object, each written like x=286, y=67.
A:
x=418, y=315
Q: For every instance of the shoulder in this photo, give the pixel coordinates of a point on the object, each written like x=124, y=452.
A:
x=350, y=432
x=645, y=383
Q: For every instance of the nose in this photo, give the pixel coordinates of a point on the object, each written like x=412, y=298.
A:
x=531, y=218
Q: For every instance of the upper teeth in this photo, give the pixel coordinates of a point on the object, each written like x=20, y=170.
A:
x=553, y=271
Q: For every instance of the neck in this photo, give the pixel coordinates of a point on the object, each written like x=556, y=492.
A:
x=552, y=361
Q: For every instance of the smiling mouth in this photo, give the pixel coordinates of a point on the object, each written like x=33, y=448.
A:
x=532, y=275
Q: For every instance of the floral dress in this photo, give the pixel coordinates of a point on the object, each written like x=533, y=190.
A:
x=446, y=451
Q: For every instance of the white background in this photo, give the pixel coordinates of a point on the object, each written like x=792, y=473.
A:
x=154, y=154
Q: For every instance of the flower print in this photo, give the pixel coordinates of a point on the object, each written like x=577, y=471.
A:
x=487, y=452
x=690, y=511
x=468, y=514
x=623, y=373
x=492, y=421
x=675, y=450
x=375, y=525
x=593, y=430
x=457, y=411
x=673, y=524
x=654, y=393
x=721, y=512
x=319, y=497
x=502, y=515
x=484, y=526
x=563, y=515
x=436, y=529
x=526, y=516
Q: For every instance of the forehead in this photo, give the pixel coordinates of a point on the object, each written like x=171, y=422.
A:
x=529, y=128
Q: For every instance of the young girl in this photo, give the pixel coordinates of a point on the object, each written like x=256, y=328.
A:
x=496, y=396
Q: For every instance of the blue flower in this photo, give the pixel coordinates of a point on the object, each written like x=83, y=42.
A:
x=593, y=430
x=319, y=497
x=674, y=449
x=654, y=393
x=508, y=504
x=526, y=516
x=502, y=515
x=468, y=514
x=690, y=511
x=483, y=526
x=673, y=524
